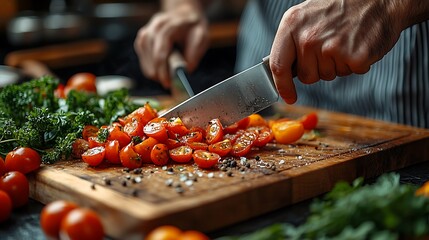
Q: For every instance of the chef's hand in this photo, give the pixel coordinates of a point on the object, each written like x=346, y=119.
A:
x=181, y=23
x=329, y=38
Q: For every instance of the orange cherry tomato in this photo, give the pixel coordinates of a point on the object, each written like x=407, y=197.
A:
x=134, y=128
x=156, y=128
x=192, y=235
x=244, y=143
x=165, y=232
x=5, y=206
x=93, y=142
x=22, y=159
x=176, y=128
x=51, y=216
x=115, y=133
x=159, y=154
x=287, y=132
x=129, y=158
x=198, y=145
x=94, y=156
x=81, y=82
x=89, y=131
x=181, y=154
x=256, y=120
x=2, y=167
x=214, y=131
x=205, y=159
x=81, y=224
x=143, y=114
x=222, y=148
x=15, y=184
x=309, y=121
x=79, y=146
x=112, y=152
x=145, y=148
x=241, y=124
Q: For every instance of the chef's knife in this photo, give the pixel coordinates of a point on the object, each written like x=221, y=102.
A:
x=230, y=100
x=180, y=83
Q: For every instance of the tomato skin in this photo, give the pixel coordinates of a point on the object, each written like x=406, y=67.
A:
x=81, y=224
x=214, y=131
x=159, y=154
x=145, y=148
x=5, y=206
x=176, y=128
x=93, y=142
x=287, y=132
x=89, y=131
x=112, y=152
x=244, y=143
x=15, y=184
x=79, y=146
x=156, y=128
x=309, y=121
x=115, y=133
x=81, y=82
x=94, y=156
x=166, y=232
x=2, y=167
x=173, y=143
x=241, y=124
x=222, y=148
x=51, y=216
x=22, y=159
x=256, y=120
x=129, y=158
x=143, y=114
x=205, y=159
x=181, y=154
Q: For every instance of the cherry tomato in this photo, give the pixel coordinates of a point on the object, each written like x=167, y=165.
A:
x=15, y=184
x=94, y=156
x=51, y=216
x=93, y=142
x=198, y=145
x=214, y=131
x=165, y=232
x=143, y=114
x=193, y=136
x=112, y=152
x=176, y=128
x=22, y=159
x=192, y=235
x=145, y=148
x=2, y=167
x=309, y=121
x=81, y=82
x=287, y=132
x=129, y=158
x=59, y=92
x=265, y=135
x=156, y=128
x=159, y=154
x=5, y=206
x=222, y=148
x=134, y=127
x=115, y=133
x=81, y=224
x=173, y=143
x=182, y=154
x=205, y=159
x=256, y=120
x=89, y=131
x=241, y=124
x=79, y=146
x=243, y=144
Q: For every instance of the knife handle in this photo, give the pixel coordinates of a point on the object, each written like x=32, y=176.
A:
x=177, y=66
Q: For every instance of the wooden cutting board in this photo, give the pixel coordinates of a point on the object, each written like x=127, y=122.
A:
x=132, y=203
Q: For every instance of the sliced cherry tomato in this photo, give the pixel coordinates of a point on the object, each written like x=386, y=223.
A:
x=176, y=128
x=79, y=146
x=244, y=143
x=134, y=127
x=198, y=145
x=309, y=121
x=112, y=152
x=145, y=148
x=129, y=158
x=193, y=136
x=15, y=184
x=166, y=232
x=257, y=120
x=287, y=132
x=115, y=133
x=222, y=148
x=81, y=82
x=182, y=154
x=93, y=142
x=94, y=156
x=156, y=128
x=5, y=206
x=265, y=135
x=52, y=215
x=2, y=167
x=205, y=159
x=23, y=159
x=159, y=154
x=81, y=224
x=173, y=143
x=214, y=131
x=89, y=131
x=241, y=124
x=143, y=114
x=192, y=235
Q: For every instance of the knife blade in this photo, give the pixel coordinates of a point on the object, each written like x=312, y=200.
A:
x=181, y=89
x=230, y=100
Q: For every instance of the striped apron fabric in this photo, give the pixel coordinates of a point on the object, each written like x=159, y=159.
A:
x=396, y=89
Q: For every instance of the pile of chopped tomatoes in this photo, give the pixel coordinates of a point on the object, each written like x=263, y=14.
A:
x=143, y=137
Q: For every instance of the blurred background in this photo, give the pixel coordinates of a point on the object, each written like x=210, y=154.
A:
x=64, y=37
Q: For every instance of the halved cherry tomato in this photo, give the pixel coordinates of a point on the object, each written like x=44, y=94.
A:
x=129, y=158
x=309, y=121
x=244, y=143
x=22, y=159
x=134, y=127
x=80, y=224
x=112, y=152
x=287, y=132
x=15, y=184
x=194, y=135
x=2, y=167
x=156, y=128
x=214, y=131
x=166, y=232
x=93, y=142
x=81, y=82
x=94, y=156
x=265, y=135
x=159, y=154
x=5, y=206
x=51, y=216
x=205, y=159
x=241, y=124
x=144, y=114
x=79, y=146
x=182, y=154
x=89, y=131
x=222, y=148
x=144, y=149
x=256, y=120
x=176, y=128
x=115, y=133
x=173, y=143
x=198, y=145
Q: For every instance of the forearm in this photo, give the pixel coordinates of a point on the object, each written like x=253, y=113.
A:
x=196, y=5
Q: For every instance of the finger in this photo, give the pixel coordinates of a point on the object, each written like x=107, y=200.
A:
x=307, y=67
x=326, y=67
x=196, y=45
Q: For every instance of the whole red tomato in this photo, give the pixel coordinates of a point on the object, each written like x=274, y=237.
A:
x=5, y=206
x=15, y=184
x=81, y=82
x=81, y=224
x=51, y=216
x=22, y=159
